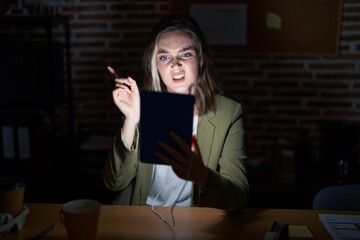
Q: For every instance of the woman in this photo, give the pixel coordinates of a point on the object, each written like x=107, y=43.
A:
x=212, y=172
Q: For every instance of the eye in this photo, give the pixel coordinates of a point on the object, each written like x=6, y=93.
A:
x=163, y=58
x=187, y=55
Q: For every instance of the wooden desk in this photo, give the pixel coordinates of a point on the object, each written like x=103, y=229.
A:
x=132, y=222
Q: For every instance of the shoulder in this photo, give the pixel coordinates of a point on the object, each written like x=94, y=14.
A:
x=226, y=110
x=226, y=104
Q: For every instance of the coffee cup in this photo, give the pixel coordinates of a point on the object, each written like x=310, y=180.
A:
x=11, y=195
x=81, y=218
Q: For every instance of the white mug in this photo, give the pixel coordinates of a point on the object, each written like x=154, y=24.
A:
x=81, y=218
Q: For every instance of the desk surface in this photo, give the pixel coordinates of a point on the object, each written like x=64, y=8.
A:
x=139, y=222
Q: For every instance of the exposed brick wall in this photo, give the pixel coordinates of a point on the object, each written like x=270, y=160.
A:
x=106, y=33
x=281, y=95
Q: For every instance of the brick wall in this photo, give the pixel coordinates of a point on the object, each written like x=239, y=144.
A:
x=106, y=33
x=281, y=95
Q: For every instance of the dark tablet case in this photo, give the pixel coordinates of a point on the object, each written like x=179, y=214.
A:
x=161, y=113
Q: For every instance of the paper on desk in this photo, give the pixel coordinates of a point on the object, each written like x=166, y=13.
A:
x=296, y=231
x=341, y=226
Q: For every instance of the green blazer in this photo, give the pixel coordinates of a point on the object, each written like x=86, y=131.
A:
x=221, y=142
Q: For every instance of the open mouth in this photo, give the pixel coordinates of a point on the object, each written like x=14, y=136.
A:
x=178, y=76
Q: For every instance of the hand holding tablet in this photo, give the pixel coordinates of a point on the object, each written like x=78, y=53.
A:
x=162, y=113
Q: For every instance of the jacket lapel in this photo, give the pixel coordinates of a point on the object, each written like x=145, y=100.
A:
x=205, y=136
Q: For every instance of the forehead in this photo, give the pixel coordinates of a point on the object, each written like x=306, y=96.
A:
x=175, y=40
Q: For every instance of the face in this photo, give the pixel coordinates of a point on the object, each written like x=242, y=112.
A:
x=177, y=61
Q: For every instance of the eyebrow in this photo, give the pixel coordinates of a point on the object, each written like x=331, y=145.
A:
x=181, y=50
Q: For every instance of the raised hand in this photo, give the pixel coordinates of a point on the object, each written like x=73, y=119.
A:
x=126, y=96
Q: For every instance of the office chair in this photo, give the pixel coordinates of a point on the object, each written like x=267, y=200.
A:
x=342, y=197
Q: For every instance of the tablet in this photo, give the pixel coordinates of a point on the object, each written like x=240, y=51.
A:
x=161, y=113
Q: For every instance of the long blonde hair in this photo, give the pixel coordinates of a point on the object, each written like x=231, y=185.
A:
x=205, y=88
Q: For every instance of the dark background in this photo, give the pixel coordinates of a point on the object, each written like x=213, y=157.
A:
x=301, y=112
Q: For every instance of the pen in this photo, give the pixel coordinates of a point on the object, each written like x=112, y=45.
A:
x=43, y=232
x=115, y=75
x=112, y=71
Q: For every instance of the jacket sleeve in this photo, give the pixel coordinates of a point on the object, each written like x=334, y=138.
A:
x=227, y=184
x=121, y=165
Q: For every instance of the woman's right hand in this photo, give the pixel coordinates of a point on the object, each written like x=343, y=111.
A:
x=126, y=97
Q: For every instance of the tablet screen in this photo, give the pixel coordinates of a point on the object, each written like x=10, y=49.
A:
x=161, y=113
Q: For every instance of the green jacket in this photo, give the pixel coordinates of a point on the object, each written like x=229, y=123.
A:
x=221, y=142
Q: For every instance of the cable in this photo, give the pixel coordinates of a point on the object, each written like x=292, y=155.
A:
x=202, y=102
x=176, y=200
x=172, y=207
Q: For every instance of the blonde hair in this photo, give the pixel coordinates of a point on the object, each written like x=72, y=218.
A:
x=205, y=88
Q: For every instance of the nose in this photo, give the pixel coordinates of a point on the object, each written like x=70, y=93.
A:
x=176, y=62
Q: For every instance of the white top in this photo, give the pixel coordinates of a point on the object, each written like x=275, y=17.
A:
x=166, y=187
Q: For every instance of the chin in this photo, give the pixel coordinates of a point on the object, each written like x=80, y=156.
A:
x=181, y=90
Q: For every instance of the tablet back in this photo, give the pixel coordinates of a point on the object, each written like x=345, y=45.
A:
x=161, y=113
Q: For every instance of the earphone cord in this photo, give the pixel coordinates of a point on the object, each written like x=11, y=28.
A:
x=172, y=207
x=183, y=187
x=177, y=198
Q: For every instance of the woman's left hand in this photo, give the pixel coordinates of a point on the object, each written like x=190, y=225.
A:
x=187, y=165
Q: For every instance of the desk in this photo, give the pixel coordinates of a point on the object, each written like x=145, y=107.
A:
x=139, y=222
